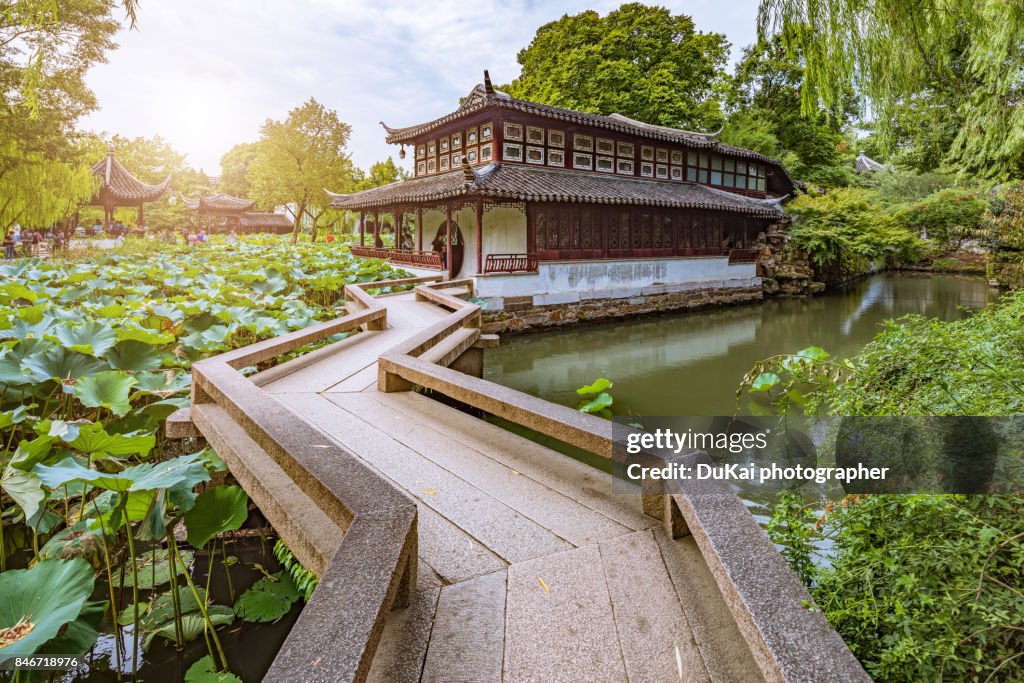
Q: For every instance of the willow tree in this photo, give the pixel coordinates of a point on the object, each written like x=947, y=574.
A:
x=957, y=60
x=43, y=192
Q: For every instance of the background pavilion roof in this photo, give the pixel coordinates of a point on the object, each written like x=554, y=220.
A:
x=218, y=203
x=865, y=163
x=515, y=182
x=265, y=220
x=118, y=186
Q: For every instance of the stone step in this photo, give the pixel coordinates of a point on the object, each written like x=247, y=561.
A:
x=310, y=534
x=451, y=347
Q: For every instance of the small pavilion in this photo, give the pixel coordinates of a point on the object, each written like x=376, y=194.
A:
x=276, y=223
x=119, y=188
x=220, y=206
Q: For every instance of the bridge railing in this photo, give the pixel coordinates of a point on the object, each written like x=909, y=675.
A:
x=374, y=567
x=789, y=641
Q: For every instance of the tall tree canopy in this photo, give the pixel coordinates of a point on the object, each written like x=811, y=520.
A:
x=956, y=61
x=766, y=116
x=234, y=168
x=381, y=173
x=297, y=159
x=640, y=61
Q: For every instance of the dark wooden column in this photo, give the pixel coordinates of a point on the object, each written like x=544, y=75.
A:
x=399, y=228
x=448, y=240
x=479, y=236
x=141, y=216
x=362, y=227
x=419, y=228
x=376, y=229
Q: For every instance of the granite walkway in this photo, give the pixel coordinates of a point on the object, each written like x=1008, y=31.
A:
x=530, y=568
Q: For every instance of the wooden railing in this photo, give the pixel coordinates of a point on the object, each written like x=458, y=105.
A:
x=510, y=263
x=374, y=567
x=743, y=255
x=417, y=259
x=402, y=257
x=369, y=252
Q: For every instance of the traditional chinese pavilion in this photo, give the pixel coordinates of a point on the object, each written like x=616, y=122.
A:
x=559, y=206
x=233, y=214
x=219, y=206
x=119, y=188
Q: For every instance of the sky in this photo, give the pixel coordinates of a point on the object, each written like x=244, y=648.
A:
x=205, y=74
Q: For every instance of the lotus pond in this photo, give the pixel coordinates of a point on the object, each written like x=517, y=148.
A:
x=115, y=543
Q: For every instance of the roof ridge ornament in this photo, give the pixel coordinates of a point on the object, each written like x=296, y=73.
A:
x=488, y=88
x=468, y=173
x=387, y=129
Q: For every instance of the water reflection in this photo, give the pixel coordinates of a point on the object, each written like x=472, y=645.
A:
x=691, y=363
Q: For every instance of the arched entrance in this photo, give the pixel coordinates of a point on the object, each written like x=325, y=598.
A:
x=458, y=244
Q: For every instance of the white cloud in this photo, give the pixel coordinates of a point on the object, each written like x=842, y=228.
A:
x=206, y=74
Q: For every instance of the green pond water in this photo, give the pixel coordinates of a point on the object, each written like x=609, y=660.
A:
x=691, y=363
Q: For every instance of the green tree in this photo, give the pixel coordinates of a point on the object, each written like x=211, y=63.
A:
x=640, y=61
x=234, y=169
x=297, y=159
x=766, y=116
x=381, y=173
x=955, y=61
x=45, y=50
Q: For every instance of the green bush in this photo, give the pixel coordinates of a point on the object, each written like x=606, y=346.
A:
x=922, y=588
x=846, y=224
x=948, y=216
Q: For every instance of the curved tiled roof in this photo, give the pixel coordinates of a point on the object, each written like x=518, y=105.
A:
x=264, y=220
x=218, y=203
x=515, y=182
x=118, y=186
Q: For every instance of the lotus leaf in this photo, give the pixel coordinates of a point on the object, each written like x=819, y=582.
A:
x=185, y=470
x=92, y=438
x=154, y=573
x=268, y=599
x=203, y=671
x=39, y=601
x=134, y=356
x=60, y=364
x=24, y=488
x=93, y=338
x=108, y=389
x=77, y=540
x=216, y=510
x=144, y=335
x=602, y=384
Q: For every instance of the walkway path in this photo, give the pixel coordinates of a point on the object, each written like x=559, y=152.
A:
x=530, y=568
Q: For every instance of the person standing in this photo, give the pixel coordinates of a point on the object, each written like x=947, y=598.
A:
x=9, y=244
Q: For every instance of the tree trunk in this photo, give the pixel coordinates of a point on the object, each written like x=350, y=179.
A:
x=298, y=224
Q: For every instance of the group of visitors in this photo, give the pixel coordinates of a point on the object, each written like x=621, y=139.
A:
x=118, y=229
x=18, y=242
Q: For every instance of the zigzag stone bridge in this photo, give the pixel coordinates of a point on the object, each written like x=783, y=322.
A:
x=450, y=549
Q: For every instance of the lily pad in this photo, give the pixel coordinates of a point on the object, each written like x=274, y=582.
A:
x=268, y=599
x=109, y=389
x=203, y=671
x=218, y=509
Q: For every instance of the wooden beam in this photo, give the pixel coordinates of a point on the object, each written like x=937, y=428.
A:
x=419, y=228
x=479, y=236
x=448, y=240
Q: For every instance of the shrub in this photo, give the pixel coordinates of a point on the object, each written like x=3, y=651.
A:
x=846, y=224
x=922, y=588
x=948, y=216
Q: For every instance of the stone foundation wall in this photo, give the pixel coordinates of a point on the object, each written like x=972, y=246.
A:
x=519, y=314
x=784, y=269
